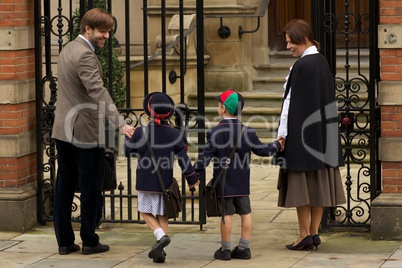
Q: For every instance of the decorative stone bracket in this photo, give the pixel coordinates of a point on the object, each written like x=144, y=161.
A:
x=173, y=36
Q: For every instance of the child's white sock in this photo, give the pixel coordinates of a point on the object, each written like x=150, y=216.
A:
x=159, y=233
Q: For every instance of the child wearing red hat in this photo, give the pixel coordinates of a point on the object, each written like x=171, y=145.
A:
x=236, y=186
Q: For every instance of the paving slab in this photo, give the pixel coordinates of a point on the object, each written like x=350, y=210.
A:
x=273, y=228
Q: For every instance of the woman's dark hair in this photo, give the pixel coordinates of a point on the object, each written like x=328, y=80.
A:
x=97, y=18
x=298, y=30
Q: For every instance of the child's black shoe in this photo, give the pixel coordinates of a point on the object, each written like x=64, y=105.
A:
x=241, y=254
x=222, y=254
x=161, y=258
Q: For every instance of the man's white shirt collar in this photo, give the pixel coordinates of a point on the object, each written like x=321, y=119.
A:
x=86, y=40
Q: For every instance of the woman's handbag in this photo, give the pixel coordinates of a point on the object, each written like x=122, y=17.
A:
x=171, y=195
x=211, y=200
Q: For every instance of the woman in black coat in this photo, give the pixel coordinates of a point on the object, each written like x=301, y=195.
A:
x=309, y=179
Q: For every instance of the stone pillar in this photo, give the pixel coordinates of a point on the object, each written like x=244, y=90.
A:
x=17, y=116
x=387, y=208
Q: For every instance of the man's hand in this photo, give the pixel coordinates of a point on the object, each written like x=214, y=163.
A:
x=127, y=130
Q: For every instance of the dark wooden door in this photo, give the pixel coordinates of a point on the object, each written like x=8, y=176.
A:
x=281, y=11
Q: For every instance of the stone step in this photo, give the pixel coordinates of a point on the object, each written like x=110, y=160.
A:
x=275, y=84
x=285, y=57
x=268, y=83
x=252, y=98
x=281, y=70
x=271, y=77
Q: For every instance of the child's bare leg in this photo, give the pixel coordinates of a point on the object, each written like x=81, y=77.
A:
x=157, y=224
x=163, y=222
x=242, y=251
x=226, y=228
x=151, y=221
x=246, y=226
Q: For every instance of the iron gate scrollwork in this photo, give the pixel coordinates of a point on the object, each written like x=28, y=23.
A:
x=54, y=24
x=356, y=95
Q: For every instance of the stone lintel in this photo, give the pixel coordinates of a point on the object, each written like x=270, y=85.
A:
x=387, y=150
x=17, y=145
x=390, y=93
x=386, y=217
x=14, y=92
x=17, y=38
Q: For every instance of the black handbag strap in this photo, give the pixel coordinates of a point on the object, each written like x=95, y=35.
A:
x=144, y=131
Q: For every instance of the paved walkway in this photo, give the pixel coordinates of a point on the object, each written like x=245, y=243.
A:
x=273, y=227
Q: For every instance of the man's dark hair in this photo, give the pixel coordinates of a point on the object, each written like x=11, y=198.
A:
x=97, y=18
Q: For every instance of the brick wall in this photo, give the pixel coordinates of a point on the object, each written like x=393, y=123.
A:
x=16, y=13
x=17, y=105
x=391, y=104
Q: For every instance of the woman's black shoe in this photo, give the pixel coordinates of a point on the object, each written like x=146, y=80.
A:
x=304, y=244
x=316, y=241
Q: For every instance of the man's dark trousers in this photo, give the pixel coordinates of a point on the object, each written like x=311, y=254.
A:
x=83, y=167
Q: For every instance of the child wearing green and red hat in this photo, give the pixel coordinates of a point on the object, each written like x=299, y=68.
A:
x=220, y=142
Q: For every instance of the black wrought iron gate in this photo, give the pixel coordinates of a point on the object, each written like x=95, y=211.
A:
x=341, y=30
x=55, y=24
x=356, y=88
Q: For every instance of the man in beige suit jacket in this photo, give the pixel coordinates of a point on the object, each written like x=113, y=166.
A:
x=83, y=105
